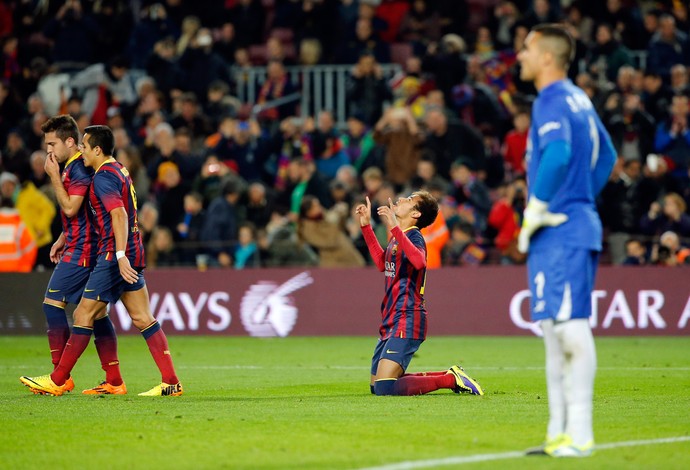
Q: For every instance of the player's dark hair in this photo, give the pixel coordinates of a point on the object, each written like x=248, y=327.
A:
x=64, y=127
x=101, y=136
x=427, y=205
x=565, y=54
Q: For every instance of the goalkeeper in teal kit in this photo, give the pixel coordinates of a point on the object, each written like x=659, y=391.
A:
x=569, y=159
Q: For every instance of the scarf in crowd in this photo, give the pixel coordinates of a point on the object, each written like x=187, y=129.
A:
x=270, y=90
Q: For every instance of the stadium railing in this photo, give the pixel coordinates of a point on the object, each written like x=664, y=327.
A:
x=321, y=86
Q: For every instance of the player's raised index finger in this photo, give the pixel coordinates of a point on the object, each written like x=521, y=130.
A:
x=368, y=203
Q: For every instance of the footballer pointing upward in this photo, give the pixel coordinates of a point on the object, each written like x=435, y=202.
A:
x=403, y=312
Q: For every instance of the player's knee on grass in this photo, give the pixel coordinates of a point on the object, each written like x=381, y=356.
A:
x=388, y=369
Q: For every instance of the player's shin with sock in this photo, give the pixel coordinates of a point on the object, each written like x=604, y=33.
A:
x=158, y=345
x=578, y=343
x=426, y=374
x=421, y=384
x=75, y=347
x=58, y=331
x=409, y=385
x=106, y=345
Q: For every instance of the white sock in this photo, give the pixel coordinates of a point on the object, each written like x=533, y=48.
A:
x=554, y=381
x=575, y=337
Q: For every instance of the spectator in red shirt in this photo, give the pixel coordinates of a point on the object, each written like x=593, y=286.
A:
x=515, y=143
x=504, y=218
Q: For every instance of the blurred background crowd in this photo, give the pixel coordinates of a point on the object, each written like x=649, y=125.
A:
x=252, y=128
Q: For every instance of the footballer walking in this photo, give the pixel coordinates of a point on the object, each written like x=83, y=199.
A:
x=118, y=274
x=403, y=312
x=75, y=253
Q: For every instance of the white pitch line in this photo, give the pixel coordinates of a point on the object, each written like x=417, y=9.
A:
x=459, y=460
x=342, y=367
x=664, y=440
x=448, y=461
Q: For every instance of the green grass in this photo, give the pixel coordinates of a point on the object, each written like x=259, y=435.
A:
x=305, y=403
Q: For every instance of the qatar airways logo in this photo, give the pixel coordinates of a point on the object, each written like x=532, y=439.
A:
x=184, y=311
x=649, y=311
x=267, y=309
x=390, y=269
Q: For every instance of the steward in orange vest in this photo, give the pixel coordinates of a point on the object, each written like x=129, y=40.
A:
x=17, y=246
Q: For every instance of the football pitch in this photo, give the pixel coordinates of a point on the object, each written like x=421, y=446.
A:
x=304, y=402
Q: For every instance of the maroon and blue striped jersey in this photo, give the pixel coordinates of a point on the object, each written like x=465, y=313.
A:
x=403, y=310
x=80, y=233
x=111, y=188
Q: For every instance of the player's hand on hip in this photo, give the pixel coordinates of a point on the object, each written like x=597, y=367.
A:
x=128, y=273
x=364, y=213
x=535, y=217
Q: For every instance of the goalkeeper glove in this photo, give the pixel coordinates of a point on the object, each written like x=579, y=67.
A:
x=537, y=216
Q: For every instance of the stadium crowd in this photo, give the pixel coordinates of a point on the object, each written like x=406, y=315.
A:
x=221, y=182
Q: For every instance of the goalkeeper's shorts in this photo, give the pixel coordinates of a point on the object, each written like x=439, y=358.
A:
x=561, y=280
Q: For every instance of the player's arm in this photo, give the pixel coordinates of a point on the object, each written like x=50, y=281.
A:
x=552, y=170
x=120, y=226
x=373, y=245
x=107, y=188
x=551, y=174
x=375, y=250
x=69, y=203
x=607, y=158
x=414, y=254
x=553, y=128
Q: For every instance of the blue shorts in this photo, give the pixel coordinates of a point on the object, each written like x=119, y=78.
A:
x=561, y=280
x=398, y=350
x=67, y=282
x=107, y=285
